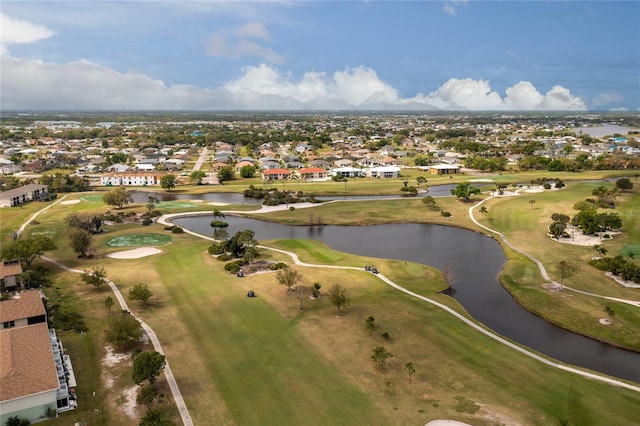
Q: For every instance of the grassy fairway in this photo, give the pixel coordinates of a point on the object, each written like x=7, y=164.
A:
x=525, y=225
x=261, y=360
x=314, y=366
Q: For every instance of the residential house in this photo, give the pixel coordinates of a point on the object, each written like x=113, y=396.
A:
x=385, y=172
x=10, y=275
x=131, y=179
x=276, y=174
x=241, y=164
x=37, y=377
x=347, y=172
x=23, y=194
x=441, y=169
x=312, y=174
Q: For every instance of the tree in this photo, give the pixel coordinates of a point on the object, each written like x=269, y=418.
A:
x=380, y=356
x=80, y=241
x=289, y=277
x=465, y=191
x=338, y=296
x=483, y=210
x=168, y=182
x=118, y=197
x=151, y=204
x=557, y=228
x=123, y=330
x=410, y=369
x=28, y=249
x=371, y=323
x=429, y=202
x=225, y=174
x=564, y=269
x=141, y=293
x=95, y=278
x=197, y=176
x=247, y=172
x=108, y=303
x=624, y=184
x=147, y=366
x=420, y=180
x=155, y=418
x=531, y=203
x=315, y=290
x=147, y=395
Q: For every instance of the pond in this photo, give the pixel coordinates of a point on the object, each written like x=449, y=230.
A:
x=474, y=261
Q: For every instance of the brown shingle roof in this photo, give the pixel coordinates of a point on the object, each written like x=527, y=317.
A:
x=26, y=362
x=28, y=305
x=10, y=269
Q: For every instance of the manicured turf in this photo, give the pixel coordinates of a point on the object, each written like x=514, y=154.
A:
x=136, y=240
x=263, y=361
x=174, y=205
x=94, y=198
x=631, y=249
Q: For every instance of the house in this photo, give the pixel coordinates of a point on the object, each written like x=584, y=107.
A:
x=348, y=172
x=442, y=169
x=385, y=172
x=312, y=173
x=131, y=179
x=37, y=377
x=276, y=174
x=241, y=164
x=9, y=275
x=23, y=194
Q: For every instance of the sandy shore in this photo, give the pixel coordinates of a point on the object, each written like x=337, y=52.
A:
x=135, y=253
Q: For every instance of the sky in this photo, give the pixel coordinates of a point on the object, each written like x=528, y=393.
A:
x=454, y=55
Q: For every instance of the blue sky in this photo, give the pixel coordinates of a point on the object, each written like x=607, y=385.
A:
x=392, y=55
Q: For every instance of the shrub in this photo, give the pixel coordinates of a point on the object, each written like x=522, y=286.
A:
x=215, y=249
x=445, y=214
x=168, y=227
x=276, y=266
x=176, y=230
x=224, y=257
x=218, y=224
x=146, y=221
x=234, y=266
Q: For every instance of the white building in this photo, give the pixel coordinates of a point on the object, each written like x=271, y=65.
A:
x=131, y=179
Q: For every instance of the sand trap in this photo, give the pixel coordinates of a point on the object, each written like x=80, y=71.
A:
x=480, y=180
x=66, y=202
x=604, y=321
x=446, y=423
x=218, y=204
x=533, y=191
x=196, y=201
x=135, y=253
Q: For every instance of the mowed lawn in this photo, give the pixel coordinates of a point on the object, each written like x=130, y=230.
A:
x=526, y=224
x=261, y=360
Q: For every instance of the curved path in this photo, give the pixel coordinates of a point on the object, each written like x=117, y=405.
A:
x=173, y=385
x=541, y=267
x=165, y=220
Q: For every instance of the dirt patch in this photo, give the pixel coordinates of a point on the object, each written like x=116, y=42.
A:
x=128, y=402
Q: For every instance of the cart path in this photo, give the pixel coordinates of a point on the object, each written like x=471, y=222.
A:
x=487, y=332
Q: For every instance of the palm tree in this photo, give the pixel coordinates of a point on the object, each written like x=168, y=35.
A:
x=531, y=203
x=483, y=210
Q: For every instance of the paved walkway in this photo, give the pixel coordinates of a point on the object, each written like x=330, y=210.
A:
x=165, y=220
x=541, y=267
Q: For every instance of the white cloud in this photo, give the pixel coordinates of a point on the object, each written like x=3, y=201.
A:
x=29, y=84
x=18, y=31
x=238, y=45
x=606, y=99
x=451, y=6
x=254, y=30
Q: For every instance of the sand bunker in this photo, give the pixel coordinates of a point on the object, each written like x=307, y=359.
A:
x=66, y=202
x=135, y=253
x=446, y=423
